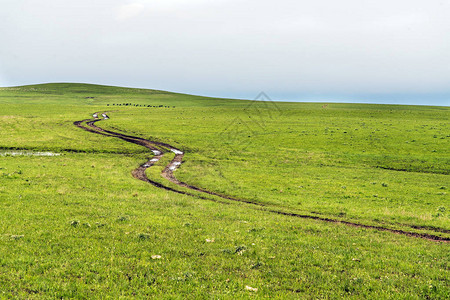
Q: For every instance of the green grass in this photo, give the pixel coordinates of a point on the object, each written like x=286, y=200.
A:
x=80, y=226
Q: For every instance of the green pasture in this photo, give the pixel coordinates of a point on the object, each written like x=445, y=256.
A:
x=78, y=225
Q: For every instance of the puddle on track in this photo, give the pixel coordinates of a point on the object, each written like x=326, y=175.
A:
x=178, y=152
x=27, y=153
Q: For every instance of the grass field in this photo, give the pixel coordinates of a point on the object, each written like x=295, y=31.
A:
x=78, y=225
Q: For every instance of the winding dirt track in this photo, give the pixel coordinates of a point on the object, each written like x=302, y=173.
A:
x=159, y=149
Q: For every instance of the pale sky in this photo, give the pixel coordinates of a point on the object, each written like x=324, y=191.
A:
x=383, y=51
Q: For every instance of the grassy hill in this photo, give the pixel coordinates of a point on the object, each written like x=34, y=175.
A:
x=78, y=225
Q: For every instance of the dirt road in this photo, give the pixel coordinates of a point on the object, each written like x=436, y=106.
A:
x=160, y=149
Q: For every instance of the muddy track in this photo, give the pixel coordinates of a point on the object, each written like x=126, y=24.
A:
x=159, y=149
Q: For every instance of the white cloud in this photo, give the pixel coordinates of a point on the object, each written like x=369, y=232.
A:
x=169, y=5
x=129, y=11
x=132, y=10
x=137, y=7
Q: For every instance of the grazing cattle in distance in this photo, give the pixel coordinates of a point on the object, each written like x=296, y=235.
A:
x=105, y=117
x=95, y=115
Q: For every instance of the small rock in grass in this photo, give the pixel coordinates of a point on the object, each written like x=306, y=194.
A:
x=75, y=223
x=210, y=241
x=156, y=256
x=252, y=289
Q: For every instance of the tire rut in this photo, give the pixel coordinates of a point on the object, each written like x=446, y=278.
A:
x=159, y=149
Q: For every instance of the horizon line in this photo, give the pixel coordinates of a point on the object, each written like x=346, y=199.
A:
x=338, y=98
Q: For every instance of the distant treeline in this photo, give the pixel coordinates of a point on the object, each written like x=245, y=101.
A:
x=138, y=105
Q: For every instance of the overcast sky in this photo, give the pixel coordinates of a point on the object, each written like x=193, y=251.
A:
x=384, y=51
